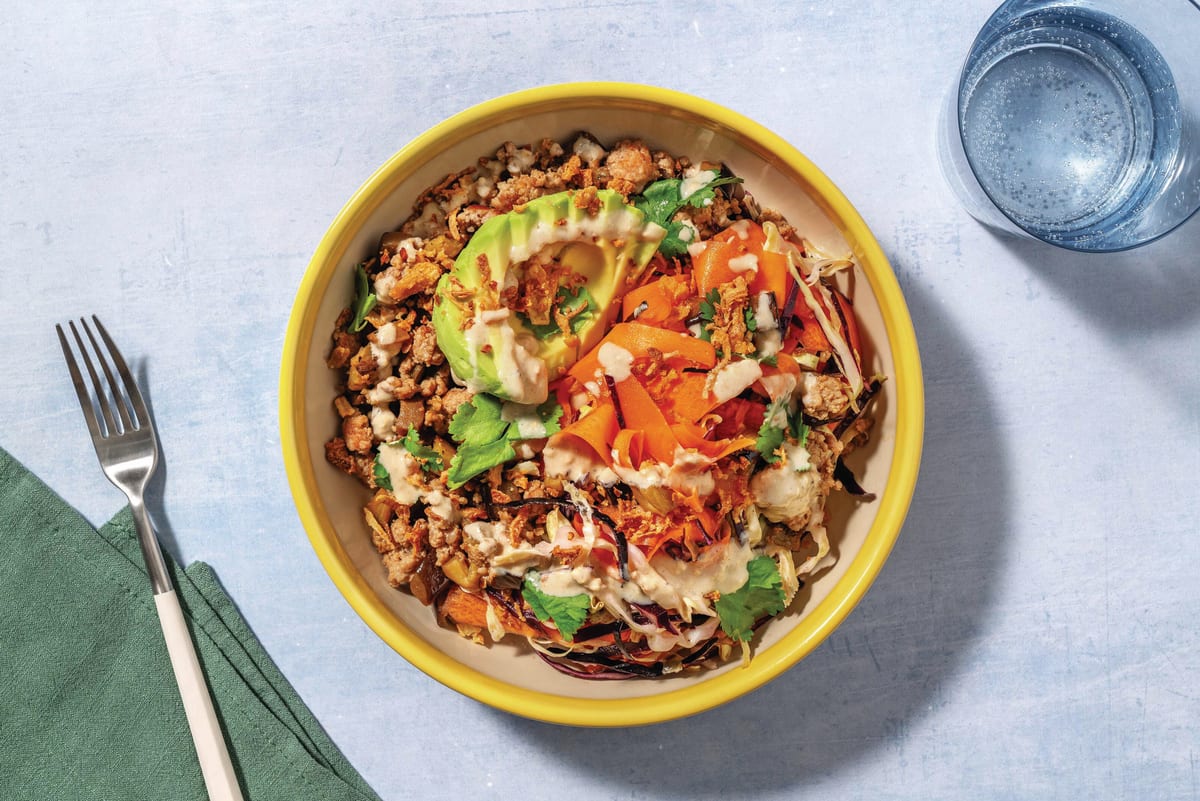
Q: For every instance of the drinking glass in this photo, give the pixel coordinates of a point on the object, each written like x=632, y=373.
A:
x=1077, y=122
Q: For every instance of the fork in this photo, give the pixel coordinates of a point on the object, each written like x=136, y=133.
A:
x=127, y=446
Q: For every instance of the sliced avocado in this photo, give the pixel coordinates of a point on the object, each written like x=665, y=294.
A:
x=607, y=244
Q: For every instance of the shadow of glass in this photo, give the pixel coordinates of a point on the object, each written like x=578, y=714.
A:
x=892, y=659
x=1149, y=289
x=1138, y=300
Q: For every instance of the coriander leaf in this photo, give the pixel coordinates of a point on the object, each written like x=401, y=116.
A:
x=478, y=422
x=364, y=299
x=760, y=596
x=798, y=429
x=578, y=302
x=768, y=442
x=485, y=436
x=770, y=361
x=706, y=194
x=661, y=199
x=471, y=460
x=531, y=422
x=770, y=433
x=567, y=611
x=551, y=412
x=708, y=306
x=708, y=311
x=750, y=320
x=382, y=478
x=429, y=459
x=673, y=245
x=658, y=203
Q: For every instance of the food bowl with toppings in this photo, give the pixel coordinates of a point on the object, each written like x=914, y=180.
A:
x=601, y=404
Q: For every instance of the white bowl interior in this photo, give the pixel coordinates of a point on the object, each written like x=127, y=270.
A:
x=775, y=186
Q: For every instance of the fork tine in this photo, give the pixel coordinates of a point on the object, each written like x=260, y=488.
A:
x=131, y=387
x=101, y=399
x=118, y=401
x=85, y=400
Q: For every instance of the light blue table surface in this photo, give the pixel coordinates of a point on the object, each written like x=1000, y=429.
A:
x=1034, y=634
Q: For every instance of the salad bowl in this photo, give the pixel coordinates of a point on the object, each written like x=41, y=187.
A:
x=330, y=504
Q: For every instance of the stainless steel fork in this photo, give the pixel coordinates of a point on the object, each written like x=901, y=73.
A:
x=127, y=447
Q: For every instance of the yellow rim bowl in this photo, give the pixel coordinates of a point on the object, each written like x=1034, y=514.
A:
x=780, y=177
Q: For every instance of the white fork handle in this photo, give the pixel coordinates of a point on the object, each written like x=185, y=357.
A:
x=219, y=778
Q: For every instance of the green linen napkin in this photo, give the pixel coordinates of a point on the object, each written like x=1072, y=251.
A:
x=88, y=703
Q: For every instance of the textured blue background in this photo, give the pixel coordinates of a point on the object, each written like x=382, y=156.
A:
x=1034, y=634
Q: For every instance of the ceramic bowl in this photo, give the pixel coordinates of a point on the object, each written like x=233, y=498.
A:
x=509, y=676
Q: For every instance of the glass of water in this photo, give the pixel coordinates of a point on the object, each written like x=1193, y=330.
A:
x=1077, y=122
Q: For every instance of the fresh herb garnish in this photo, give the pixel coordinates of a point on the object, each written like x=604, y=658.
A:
x=708, y=312
x=708, y=306
x=577, y=304
x=661, y=199
x=761, y=596
x=382, y=478
x=471, y=460
x=776, y=423
x=429, y=459
x=567, y=611
x=426, y=458
x=750, y=320
x=770, y=434
x=477, y=422
x=798, y=428
x=364, y=299
x=485, y=437
x=551, y=412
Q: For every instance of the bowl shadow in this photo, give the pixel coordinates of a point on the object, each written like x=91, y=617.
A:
x=892, y=659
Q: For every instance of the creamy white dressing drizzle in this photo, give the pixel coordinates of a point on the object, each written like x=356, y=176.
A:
x=733, y=377
x=384, y=391
x=384, y=348
x=384, y=283
x=383, y=422
x=440, y=504
x=386, y=334
x=492, y=540
x=559, y=582
x=768, y=339
x=746, y=263
x=529, y=422
x=720, y=568
x=694, y=180
x=620, y=223
x=569, y=459
x=763, y=317
x=521, y=372
x=778, y=386
x=768, y=343
x=742, y=229
x=400, y=466
x=615, y=361
x=788, y=489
